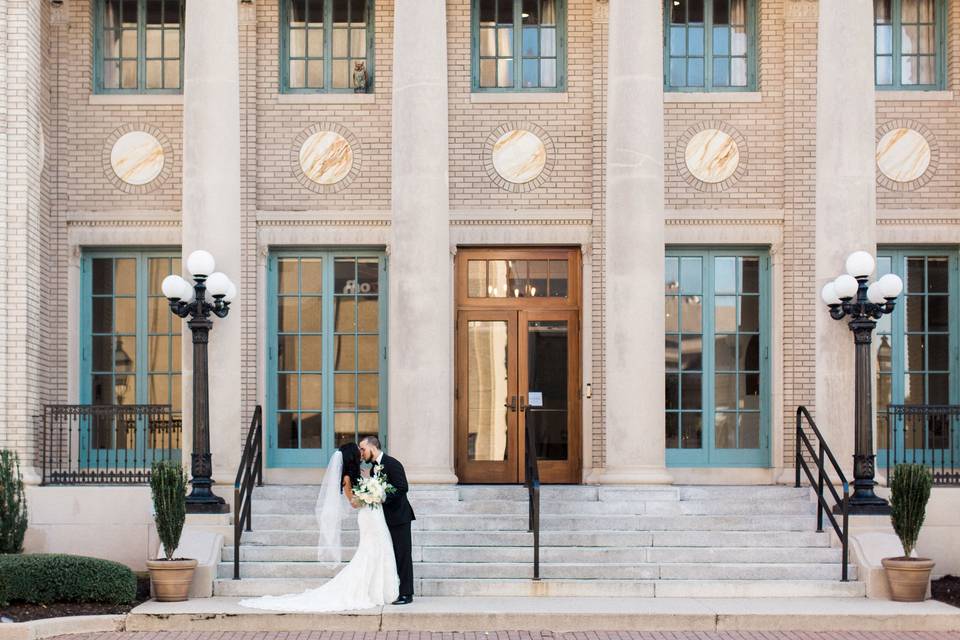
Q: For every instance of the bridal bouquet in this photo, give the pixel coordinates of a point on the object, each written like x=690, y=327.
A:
x=374, y=489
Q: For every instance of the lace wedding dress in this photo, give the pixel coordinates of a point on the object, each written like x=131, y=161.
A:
x=369, y=579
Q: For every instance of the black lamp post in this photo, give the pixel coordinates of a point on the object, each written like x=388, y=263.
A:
x=849, y=296
x=191, y=300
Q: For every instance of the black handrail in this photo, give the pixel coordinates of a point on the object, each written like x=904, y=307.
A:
x=819, y=456
x=533, y=488
x=250, y=471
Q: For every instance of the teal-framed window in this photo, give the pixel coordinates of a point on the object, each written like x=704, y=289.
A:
x=909, y=44
x=519, y=45
x=327, y=351
x=130, y=343
x=710, y=45
x=717, y=368
x=918, y=345
x=138, y=46
x=322, y=42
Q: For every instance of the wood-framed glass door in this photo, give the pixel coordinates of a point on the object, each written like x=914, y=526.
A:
x=518, y=363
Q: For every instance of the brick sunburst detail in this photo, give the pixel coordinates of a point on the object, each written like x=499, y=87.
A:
x=119, y=183
x=518, y=187
x=355, y=150
x=931, y=170
x=680, y=156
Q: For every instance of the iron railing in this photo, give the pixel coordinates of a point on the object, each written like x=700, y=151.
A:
x=820, y=457
x=106, y=444
x=533, y=489
x=922, y=434
x=249, y=473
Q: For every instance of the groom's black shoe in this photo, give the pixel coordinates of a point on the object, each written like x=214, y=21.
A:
x=403, y=600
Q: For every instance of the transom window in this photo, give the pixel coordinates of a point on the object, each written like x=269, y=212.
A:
x=517, y=278
x=519, y=45
x=326, y=45
x=139, y=46
x=908, y=43
x=717, y=370
x=709, y=45
x=327, y=354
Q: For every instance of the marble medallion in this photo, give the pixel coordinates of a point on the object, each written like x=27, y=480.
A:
x=519, y=156
x=137, y=158
x=903, y=155
x=326, y=157
x=712, y=155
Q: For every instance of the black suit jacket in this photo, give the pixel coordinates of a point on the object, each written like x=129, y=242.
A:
x=396, y=508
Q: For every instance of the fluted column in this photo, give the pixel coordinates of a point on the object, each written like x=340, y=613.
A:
x=634, y=247
x=420, y=428
x=845, y=198
x=211, y=210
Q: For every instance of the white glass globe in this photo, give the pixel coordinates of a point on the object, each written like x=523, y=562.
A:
x=845, y=286
x=218, y=284
x=891, y=285
x=860, y=264
x=191, y=293
x=875, y=293
x=200, y=263
x=829, y=294
x=231, y=292
x=174, y=287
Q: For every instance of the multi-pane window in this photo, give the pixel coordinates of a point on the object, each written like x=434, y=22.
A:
x=709, y=45
x=327, y=45
x=139, y=46
x=908, y=43
x=327, y=356
x=716, y=358
x=517, y=278
x=519, y=44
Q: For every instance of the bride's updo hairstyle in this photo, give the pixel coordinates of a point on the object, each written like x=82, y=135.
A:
x=351, y=462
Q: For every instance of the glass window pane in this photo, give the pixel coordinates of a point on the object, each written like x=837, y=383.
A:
x=720, y=12
x=671, y=313
x=927, y=73
x=938, y=310
x=725, y=430
x=505, y=72
x=678, y=41
x=695, y=72
x=298, y=74
x=311, y=391
x=358, y=43
x=548, y=12
x=548, y=73
x=725, y=313
x=297, y=43
x=909, y=39
x=695, y=41
x=558, y=278
x=691, y=390
x=691, y=352
x=882, y=11
x=548, y=42
x=488, y=11
x=340, y=39
x=695, y=11
x=529, y=12
x=909, y=10
x=691, y=280
x=314, y=38
x=345, y=313
x=678, y=14
x=315, y=13
x=749, y=314
x=678, y=72
x=288, y=390
x=884, y=39
x=531, y=73
x=288, y=431
x=531, y=42
x=738, y=72
x=673, y=430
x=341, y=73
x=691, y=430
x=311, y=430
x=909, y=73
x=368, y=314
x=344, y=353
x=721, y=40
x=884, y=70
x=738, y=12
x=128, y=75
x=128, y=43
x=725, y=352
x=171, y=74
x=505, y=11
x=154, y=74
x=368, y=353
x=488, y=73
x=287, y=349
x=748, y=354
x=749, y=430
x=505, y=41
x=721, y=72
x=311, y=352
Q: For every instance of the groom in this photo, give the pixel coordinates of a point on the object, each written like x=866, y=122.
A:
x=396, y=511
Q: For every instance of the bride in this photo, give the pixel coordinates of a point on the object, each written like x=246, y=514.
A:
x=370, y=578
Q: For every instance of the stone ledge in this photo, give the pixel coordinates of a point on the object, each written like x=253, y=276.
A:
x=326, y=98
x=533, y=97
x=913, y=96
x=51, y=627
x=712, y=96
x=139, y=99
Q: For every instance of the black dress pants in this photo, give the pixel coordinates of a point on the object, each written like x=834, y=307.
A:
x=402, y=551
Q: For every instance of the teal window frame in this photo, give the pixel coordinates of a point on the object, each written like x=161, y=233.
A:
x=708, y=455
x=314, y=457
x=894, y=325
x=708, y=53
x=99, y=26
x=141, y=371
x=327, y=51
x=896, y=51
x=517, y=48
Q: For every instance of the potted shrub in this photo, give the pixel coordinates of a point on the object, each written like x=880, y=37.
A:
x=13, y=504
x=909, y=493
x=171, y=577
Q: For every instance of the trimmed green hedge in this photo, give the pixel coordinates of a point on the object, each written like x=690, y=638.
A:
x=45, y=578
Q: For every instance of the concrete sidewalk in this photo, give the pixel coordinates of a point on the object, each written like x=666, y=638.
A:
x=563, y=615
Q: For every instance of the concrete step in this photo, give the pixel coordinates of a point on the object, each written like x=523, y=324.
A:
x=485, y=570
x=755, y=571
x=604, y=588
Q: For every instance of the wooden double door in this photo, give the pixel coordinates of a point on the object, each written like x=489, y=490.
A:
x=518, y=364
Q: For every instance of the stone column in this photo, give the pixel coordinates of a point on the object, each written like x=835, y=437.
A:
x=211, y=212
x=845, y=198
x=420, y=412
x=634, y=239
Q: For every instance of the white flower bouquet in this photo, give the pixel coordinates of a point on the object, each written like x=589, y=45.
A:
x=372, y=491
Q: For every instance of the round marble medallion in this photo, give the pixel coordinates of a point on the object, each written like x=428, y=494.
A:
x=712, y=155
x=903, y=155
x=137, y=157
x=326, y=157
x=519, y=156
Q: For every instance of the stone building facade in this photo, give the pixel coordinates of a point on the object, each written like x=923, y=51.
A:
x=745, y=134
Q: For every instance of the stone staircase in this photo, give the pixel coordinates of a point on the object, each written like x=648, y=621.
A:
x=677, y=541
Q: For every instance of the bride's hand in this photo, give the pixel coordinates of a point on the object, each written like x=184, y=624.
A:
x=355, y=503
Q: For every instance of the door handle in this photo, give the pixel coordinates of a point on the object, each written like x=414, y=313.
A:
x=523, y=405
x=512, y=405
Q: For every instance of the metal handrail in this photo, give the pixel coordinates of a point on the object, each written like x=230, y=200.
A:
x=820, y=456
x=533, y=488
x=250, y=471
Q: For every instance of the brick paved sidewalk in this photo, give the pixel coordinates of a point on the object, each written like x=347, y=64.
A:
x=521, y=635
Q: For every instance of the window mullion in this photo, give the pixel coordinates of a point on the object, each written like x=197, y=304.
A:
x=896, y=42
x=141, y=47
x=708, y=45
x=327, y=46
x=517, y=44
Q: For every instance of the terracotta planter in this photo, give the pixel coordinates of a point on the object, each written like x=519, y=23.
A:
x=908, y=578
x=171, y=579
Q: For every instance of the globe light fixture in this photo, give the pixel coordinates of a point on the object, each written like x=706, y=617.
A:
x=200, y=263
x=850, y=296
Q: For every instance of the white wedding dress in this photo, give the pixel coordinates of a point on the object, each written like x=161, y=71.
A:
x=369, y=579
